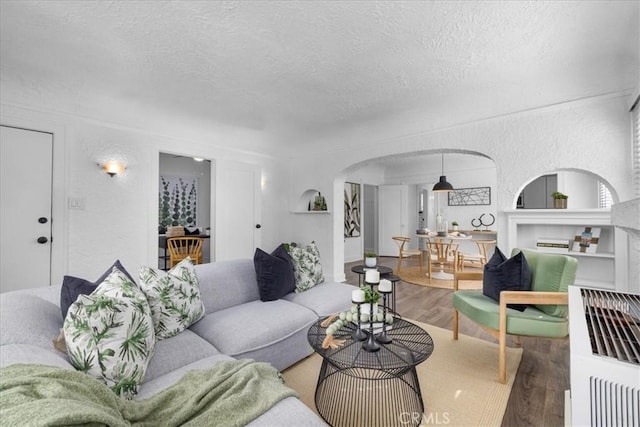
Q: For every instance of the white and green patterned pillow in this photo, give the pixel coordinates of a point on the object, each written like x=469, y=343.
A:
x=174, y=297
x=306, y=266
x=109, y=334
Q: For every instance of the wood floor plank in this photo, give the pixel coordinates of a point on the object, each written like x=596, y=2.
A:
x=537, y=396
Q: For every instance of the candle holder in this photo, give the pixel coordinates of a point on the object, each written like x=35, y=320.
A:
x=371, y=345
x=359, y=334
x=383, y=338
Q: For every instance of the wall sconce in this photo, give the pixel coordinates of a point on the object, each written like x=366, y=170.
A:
x=113, y=168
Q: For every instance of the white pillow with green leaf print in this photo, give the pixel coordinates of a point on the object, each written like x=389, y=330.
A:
x=109, y=334
x=174, y=297
x=307, y=268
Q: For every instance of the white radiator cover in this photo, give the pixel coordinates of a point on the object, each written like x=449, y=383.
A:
x=604, y=391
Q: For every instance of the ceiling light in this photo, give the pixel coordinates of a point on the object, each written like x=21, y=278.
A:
x=442, y=186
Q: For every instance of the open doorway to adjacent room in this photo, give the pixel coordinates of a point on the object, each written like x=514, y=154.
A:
x=184, y=199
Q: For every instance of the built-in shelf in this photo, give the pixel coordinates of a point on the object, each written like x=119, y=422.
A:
x=305, y=201
x=311, y=212
x=598, y=269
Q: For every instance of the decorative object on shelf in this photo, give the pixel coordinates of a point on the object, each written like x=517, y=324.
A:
x=586, y=240
x=351, y=209
x=559, y=200
x=477, y=222
x=442, y=186
x=470, y=196
x=370, y=259
x=454, y=225
x=319, y=203
x=550, y=244
x=371, y=276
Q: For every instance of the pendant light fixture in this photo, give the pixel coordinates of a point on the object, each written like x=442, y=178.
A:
x=442, y=186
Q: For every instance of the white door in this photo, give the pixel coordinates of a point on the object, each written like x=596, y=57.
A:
x=237, y=210
x=26, y=165
x=392, y=217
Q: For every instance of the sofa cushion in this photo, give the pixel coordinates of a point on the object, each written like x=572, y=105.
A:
x=174, y=297
x=109, y=334
x=325, y=299
x=178, y=351
x=26, y=353
x=28, y=319
x=306, y=266
x=274, y=273
x=502, y=274
x=72, y=287
x=254, y=325
x=227, y=283
x=161, y=382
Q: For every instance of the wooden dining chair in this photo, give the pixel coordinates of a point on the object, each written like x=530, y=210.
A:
x=444, y=253
x=182, y=247
x=477, y=259
x=401, y=241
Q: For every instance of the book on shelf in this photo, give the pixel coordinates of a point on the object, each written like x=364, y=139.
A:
x=586, y=240
x=551, y=244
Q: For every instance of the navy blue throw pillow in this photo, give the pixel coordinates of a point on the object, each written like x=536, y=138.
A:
x=72, y=287
x=506, y=274
x=274, y=273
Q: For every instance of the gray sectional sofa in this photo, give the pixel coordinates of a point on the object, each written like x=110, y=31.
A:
x=237, y=325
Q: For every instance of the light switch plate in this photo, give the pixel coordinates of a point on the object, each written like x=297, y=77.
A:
x=76, y=203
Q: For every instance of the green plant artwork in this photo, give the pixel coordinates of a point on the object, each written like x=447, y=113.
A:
x=351, y=209
x=178, y=201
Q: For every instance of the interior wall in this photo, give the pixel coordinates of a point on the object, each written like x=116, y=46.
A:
x=120, y=218
x=591, y=135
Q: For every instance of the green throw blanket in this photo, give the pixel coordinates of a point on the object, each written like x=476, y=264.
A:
x=232, y=393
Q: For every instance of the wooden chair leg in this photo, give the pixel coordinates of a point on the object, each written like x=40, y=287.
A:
x=399, y=263
x=502, y=340
x=455, y=324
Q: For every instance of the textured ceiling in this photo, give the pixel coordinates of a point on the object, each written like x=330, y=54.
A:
x=295, y=71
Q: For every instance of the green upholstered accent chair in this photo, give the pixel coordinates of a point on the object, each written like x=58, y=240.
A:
x=546, y=316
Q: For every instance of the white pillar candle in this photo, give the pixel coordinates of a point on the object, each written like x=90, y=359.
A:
x=372, y=276
x=357, y=295
x=384, y=286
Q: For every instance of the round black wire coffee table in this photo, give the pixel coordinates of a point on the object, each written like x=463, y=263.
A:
x=360, y=388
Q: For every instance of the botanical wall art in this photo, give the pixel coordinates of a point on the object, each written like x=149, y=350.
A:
x=470, y=196
x=351, y=209
x=178, y=200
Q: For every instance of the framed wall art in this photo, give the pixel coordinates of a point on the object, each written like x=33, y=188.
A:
x=351, y=209
x=470, y=196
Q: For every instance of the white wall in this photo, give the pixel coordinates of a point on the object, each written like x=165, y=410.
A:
x=590, y=135
x=121, y=214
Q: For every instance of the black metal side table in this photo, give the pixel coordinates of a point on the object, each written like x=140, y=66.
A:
x=360, y=388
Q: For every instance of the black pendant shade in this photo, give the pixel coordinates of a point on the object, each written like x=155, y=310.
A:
x=442, y=185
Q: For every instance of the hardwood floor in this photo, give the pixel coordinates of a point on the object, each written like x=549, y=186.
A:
x=537, y=397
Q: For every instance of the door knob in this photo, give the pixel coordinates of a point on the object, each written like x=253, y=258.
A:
x=258, y=226
x=42, y=220
x=42, y=240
